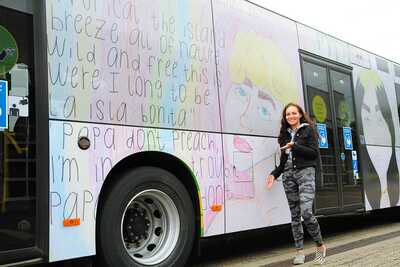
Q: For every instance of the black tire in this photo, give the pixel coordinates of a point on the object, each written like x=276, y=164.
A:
x=135, y=183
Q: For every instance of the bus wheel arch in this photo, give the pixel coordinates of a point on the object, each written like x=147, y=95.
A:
x=169, y=168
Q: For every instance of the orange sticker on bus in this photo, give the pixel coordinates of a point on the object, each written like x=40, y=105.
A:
x=72, y=222
x=216, y=207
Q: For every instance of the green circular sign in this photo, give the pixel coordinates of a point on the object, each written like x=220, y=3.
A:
x=344, y=112
x=8, y=51
x=319, y=108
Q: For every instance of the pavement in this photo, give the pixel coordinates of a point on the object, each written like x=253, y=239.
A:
x=384, y=254
x=352, y=241
x=373, y=245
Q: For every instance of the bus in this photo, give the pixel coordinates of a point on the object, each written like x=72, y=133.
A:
x=131, y=129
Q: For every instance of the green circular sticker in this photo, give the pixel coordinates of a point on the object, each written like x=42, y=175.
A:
x=319, y=108
x=344, y=112
x=8, y=51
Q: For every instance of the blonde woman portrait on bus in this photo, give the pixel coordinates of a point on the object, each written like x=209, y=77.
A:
x=262, y=80
x=298, y=141
x=258, y=80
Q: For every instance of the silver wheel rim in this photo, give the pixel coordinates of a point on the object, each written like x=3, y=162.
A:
x=150, y=227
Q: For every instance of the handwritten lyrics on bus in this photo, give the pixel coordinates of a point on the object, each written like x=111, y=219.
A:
x=132, y=62
x=76, y=176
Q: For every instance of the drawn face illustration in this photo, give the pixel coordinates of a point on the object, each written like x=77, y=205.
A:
x=376, y=131
x=249, y=109
x=260, y=82
x=381, y=173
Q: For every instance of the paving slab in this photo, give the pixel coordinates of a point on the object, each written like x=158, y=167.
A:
x=378, y=245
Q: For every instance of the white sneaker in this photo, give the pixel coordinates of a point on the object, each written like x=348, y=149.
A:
x=320, y=256
x=299, y=258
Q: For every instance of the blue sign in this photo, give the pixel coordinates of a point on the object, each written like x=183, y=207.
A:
x=323, y=135
x=3, y=104
x=347, y=138
x=354, y=163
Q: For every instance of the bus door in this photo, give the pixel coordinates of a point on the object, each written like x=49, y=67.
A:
x=330, y=103
x=17, y=130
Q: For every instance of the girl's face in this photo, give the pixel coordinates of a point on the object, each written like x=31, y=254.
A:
x=293, y=116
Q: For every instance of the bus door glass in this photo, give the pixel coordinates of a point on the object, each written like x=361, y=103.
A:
x=346, y=131
x=17, y=129
x=320, y=110
x=330, y=103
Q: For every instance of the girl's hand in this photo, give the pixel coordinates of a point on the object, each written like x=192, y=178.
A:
x=288, y=145
x=270, y=181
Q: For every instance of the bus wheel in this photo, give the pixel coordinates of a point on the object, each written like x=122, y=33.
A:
x=147, y=219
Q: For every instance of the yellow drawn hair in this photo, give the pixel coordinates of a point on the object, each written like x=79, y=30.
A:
x=370, y=78
x=262, y=62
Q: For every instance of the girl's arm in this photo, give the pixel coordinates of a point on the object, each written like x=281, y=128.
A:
x=279, y=169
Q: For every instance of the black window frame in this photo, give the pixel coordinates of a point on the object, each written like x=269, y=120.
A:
x=39, y=252
x=305, y=56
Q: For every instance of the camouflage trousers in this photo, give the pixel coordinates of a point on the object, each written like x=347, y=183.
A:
x=299, y=187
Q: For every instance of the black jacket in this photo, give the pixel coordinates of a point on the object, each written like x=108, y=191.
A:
x=305, y=151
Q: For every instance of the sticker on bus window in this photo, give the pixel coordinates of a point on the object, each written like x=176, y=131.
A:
x=3, y=105
x=347, y=138
x=323, y=135
x=8, y=51
x=354, y=155
x=319, y=108
x=355, y=170
x=354, y=164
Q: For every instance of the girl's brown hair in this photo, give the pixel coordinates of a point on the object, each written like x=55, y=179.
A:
x=285, y=125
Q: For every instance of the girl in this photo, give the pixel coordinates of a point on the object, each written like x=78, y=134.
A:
x=299, y=145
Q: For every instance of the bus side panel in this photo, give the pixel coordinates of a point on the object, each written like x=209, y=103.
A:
x=258, y=67
x=139, y=63
x=129, y=63
x=376, y=112
x=378, y=119
x=259, y=73
x=396, y=69
x=76, y=176
x=249, y=204
x=323, y=45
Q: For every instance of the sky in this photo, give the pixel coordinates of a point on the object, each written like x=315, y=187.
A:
x=372, y=25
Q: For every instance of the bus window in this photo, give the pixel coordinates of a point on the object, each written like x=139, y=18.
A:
x=17, y=133
x=382, y=65
x=316, y=79
x=346, y=129
x=397, y=88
